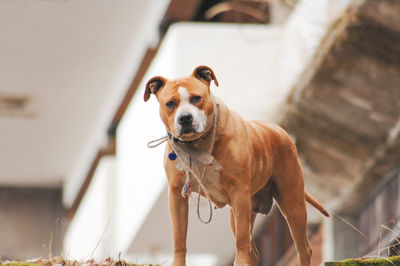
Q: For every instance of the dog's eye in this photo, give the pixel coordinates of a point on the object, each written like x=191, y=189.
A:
x=171, y=104
x=195, y=99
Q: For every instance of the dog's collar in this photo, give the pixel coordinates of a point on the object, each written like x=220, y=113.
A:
x=189, y=142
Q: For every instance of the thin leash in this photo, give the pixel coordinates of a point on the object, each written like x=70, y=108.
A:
x=199, y=180
x=157, y=142
x=186, y=190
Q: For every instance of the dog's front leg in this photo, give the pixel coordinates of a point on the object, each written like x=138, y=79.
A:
x=241, y=205
x=178, y=207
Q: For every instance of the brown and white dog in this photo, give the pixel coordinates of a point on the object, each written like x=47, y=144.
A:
x=258, y=162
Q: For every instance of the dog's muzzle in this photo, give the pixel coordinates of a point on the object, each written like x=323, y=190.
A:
x=185, y=120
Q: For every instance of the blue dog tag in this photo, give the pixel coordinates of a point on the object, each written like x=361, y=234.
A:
x=172, y=156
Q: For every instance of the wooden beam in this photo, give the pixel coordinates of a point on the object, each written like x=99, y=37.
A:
x=147, y=59
x=108, y=150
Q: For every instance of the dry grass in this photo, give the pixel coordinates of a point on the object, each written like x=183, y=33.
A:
x=62, y=262
x=370, y=262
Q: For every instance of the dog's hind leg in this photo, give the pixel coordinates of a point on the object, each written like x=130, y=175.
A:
x=291, y=201
x=254, y=252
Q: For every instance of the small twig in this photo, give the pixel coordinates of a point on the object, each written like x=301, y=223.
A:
x=101, y=237
x=388, y=229
x=379, y=244
x=352, y=226
x=164, y=262
x=51, y=244
x=388, y=260
x=394, y=233
x=382, y=249
x=49, y=248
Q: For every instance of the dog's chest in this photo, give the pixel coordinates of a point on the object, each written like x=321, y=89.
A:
x=209, y=176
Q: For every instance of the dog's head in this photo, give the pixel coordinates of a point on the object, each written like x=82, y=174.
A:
x=186, y=104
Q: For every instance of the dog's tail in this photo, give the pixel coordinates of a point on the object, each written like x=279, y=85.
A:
x=310, y=199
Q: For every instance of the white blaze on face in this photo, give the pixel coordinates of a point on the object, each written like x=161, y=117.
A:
x=199, y=117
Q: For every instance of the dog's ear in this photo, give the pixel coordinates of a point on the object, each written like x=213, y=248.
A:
x=153, y=86
x=205, y=73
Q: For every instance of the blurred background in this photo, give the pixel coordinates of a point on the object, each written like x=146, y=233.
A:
x=76, y=177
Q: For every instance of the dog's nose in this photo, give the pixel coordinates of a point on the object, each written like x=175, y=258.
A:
x=185, y=118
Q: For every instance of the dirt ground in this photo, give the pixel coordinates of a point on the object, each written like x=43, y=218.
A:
x=62, y=262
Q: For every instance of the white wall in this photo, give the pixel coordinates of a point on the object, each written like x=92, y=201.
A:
x=93, y=224
x=139, y=20
x=243, y=57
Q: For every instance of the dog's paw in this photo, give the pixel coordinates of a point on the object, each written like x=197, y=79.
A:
x=179, y=262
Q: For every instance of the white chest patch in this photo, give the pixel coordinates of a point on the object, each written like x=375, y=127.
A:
x=199, y=117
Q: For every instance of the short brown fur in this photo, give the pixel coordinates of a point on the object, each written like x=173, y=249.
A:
x=259, y=161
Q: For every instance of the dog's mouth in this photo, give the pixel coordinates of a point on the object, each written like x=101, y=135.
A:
x=187, y=131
